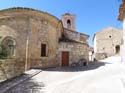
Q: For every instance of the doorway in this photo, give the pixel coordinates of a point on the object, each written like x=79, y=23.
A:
x=65, y=58
x=117, y=49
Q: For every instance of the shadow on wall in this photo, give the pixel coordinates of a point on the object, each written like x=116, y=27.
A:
x=90, y=66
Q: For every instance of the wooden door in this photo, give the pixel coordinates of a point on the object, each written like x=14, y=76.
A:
x=65, y=58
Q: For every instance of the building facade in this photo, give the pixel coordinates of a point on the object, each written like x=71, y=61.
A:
x=34, y=39
x=73, y=45
x=107, y=42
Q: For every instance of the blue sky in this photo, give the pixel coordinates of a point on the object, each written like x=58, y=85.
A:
x=92, y=15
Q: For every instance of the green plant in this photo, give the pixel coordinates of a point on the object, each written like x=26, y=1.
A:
x=3, y=53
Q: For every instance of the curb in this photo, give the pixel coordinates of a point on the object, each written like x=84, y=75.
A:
x=16, y=81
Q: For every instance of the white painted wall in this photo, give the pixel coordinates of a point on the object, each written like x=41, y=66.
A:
x=123, y=46
x=95, y=48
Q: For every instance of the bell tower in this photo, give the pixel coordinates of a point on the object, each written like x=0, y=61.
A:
x=68, y=21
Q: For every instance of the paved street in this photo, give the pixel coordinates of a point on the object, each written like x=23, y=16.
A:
x=97, y=78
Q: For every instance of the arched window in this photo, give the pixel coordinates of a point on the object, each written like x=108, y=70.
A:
x=68, y=24
x=8, y=46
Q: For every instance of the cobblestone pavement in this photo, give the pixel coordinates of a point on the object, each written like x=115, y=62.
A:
x=29, y=86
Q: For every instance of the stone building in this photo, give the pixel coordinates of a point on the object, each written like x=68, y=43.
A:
x=73, y=45
x=107, y=42
x=35, y=39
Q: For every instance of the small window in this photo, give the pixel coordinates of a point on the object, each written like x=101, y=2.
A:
x=43, y=50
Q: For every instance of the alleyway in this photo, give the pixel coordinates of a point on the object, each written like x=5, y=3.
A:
x=104, y=78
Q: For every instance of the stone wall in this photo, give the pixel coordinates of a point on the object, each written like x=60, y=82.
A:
x=10, y=68
x=29, y=29
x=43, y=32
x=76, y=51
x=100, y=56
x=73, y=35
x=17, y=29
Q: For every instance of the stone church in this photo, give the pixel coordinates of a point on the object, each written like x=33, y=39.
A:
x=107, y=42
x=31, y=38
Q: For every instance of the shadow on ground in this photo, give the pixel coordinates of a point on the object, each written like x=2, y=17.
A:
x=27, y=86
x=91, y=66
